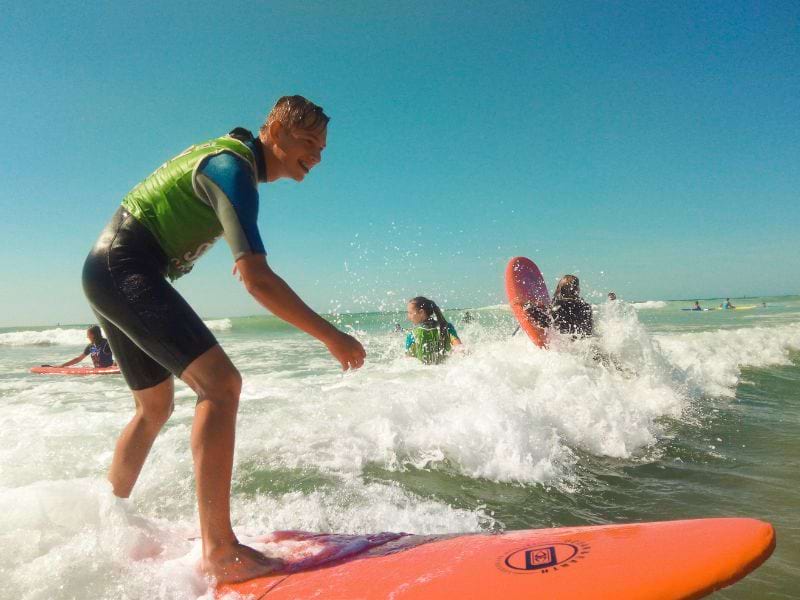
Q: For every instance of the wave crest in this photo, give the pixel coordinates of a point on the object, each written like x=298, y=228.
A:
x=649, y=305
x=47, y=337
x=219, y=324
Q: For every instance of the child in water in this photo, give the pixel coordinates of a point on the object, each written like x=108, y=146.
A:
x=430, y=340
x=98, y=349
x=569, y=313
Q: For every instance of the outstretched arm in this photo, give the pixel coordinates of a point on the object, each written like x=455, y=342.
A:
x=75, y=360
x=274, y=294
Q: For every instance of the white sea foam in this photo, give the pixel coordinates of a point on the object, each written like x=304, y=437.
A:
x=503, y=306
x=47, y=337
x=59, y=336
x=219, y=324
x=713, y=359
x=649, y=305
x=506, y=411
x=92, y=545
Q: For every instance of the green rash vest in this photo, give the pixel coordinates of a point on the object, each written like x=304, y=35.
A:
x=191, y=200
x=428, y=345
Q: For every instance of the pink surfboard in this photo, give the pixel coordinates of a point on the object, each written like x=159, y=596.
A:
x=47, y=370
x=525, y=285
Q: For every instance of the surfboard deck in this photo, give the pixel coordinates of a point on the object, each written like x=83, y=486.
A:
x=667, y=560
x=46, y=370
x=524, y=283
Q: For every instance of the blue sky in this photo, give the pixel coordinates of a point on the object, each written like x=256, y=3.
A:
x=651, y=148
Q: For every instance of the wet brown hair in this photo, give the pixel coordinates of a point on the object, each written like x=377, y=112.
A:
x=296, y=112
x=568, y=287
x=429, y=307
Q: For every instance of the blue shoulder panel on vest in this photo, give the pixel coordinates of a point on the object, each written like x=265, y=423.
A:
x=234, y=176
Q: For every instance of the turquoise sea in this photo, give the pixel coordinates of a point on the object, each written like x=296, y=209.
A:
x=701, y=419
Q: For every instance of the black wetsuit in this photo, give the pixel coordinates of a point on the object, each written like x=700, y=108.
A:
x=572, y=316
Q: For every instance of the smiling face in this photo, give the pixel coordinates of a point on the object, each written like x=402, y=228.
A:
x=298, y=150
x=293, y=137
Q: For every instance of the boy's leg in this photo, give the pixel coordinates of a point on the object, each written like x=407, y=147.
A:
x=153, y=407
x=153, y=391
x=155, y=333
x=218, y=385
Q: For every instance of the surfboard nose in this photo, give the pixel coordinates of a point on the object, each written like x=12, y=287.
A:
x=763, y=536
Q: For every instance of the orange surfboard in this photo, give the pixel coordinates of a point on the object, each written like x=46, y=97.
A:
x=668, y=560
x=525, y=285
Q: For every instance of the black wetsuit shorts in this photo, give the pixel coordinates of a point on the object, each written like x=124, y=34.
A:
x=152, y=330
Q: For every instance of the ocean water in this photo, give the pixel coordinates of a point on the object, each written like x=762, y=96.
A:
x=700, y=418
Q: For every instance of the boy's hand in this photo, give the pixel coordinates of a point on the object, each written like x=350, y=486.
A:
x=347, y=350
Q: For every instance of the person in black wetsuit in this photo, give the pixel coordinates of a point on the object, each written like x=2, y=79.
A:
x=568, y=313
x=571, y=314
x=98, y=349
x=163, y=226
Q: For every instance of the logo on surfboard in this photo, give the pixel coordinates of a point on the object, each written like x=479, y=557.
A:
x=545, y=558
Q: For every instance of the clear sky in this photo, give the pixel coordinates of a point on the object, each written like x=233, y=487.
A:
x=651, y=148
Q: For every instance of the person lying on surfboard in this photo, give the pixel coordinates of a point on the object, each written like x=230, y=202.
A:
x=98, y=349
x=163, y=226
x=430, y=340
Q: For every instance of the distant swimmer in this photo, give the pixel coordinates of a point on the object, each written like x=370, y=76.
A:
x=728, y=304
x=612, y=296
x=165, y=224
x=697, y=305
x=398, y=328
x=98, y=349
x=468, y=318
x=430, y=340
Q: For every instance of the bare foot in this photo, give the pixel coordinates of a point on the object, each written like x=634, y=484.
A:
x=237, y=562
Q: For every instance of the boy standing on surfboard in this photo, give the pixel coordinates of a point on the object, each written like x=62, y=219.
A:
x=163, y=226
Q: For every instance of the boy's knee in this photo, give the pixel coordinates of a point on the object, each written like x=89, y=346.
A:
x=233, y=383
x=225, y=387
x=158, y=415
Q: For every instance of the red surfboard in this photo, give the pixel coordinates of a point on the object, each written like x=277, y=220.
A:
x=525, y=286
x=666, y=561
x=48, y=370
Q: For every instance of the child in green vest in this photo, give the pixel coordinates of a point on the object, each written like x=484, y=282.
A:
x=430, y=340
